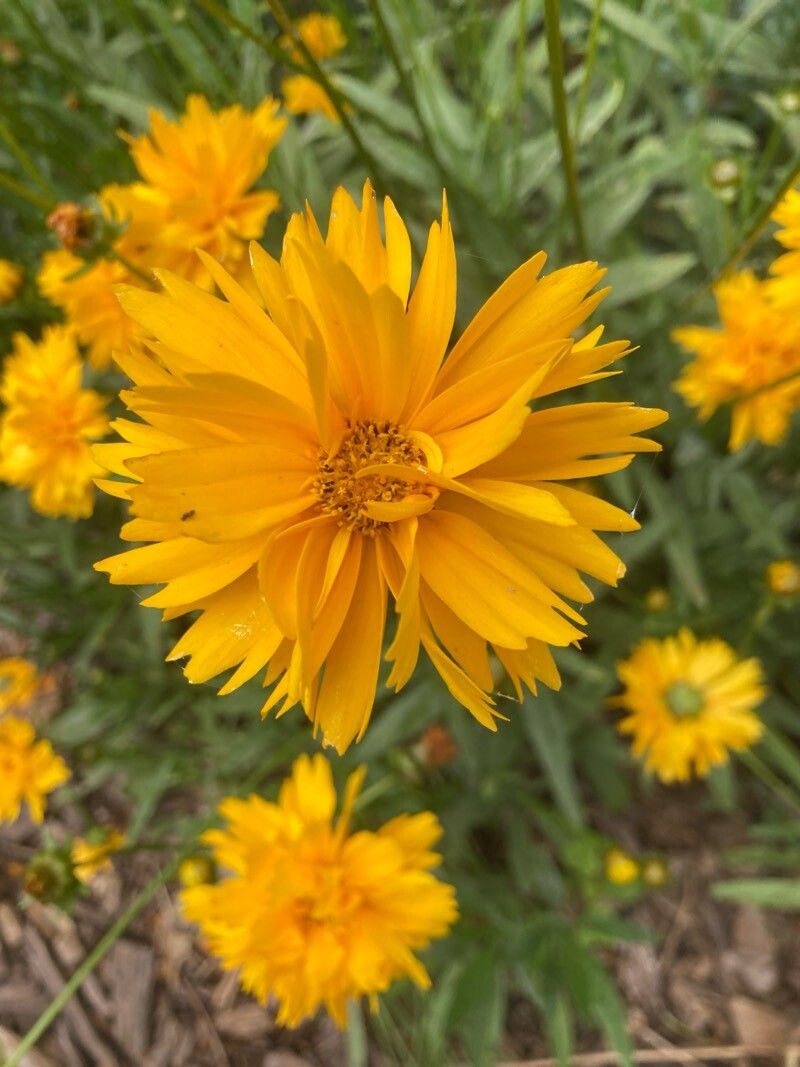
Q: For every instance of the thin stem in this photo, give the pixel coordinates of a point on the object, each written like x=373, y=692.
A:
x=70, y=988
x=768, y=777
x=519, y=86
x=275, y=51
x=588, y=67
x=25, y=160
x=19, y=189
x=556, y=64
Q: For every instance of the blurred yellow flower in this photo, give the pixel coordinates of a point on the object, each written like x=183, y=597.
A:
x=302, y=95
x=620, y=867
x=29, y=770
x=85, y=293
x=89, y=857
x=48, y=423
x=784, y=287
x=688, y=702
x=10, y=280
x=197, y=870
x=783, y=577
x=19, y=682
x=757, y=345
x=197, y=173
x=312, y=913
x=321, y=34
x=655, y=872
x=657, y=599
x=304, y=461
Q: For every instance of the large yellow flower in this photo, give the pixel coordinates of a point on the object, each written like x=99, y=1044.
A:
x=11, y=277
x=688, y=703
x=19, y=682
x=197, y=183
x=784, y=288
x=311, y=913
x=29, y=770
x=48, y=423
x=298, y=463
x=85, y=293
x=758, y=344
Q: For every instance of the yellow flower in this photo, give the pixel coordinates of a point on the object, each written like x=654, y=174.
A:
x=655, y=872
x=10, y=280
x=783, y=577
x=304, y=461
x=311, y=913
x=688, y=702
x=48, y=423
x=196, y=175
x=302, y=95
x=29, y=770
x=657, y=599
x=19, y=682
x=90, y=857
x=321, y=34
x=757, y=345
x=85, y=293
x=784, y=288
x=620, y=867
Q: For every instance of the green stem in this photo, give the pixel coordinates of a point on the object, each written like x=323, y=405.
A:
x=273, y=50
x=25, y=161
x=70, y=988
x=519, y=87
x=588, y=67
x=768, y=777
x=556, y=64
x=19, y=189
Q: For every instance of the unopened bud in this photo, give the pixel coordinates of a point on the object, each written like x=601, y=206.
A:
x=72, y=224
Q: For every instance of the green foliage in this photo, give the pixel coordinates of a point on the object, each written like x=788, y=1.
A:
x=451, y=94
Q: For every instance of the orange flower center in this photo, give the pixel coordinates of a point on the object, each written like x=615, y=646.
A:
x=342, y=493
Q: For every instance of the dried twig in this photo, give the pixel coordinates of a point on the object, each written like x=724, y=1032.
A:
x=701, y=1053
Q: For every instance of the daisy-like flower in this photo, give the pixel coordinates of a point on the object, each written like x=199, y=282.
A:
x=48, y=423
x=620, y=867
x=688, y=703
x=303, y=96
x=19, y=682
x=784, y=287
x=312, y=913
x=90, y=856
x=29, y=770
x=752, y=362
x=299, y=464
x=10, y=280
x=197, y=183
x=321, y=34
x=85, y=293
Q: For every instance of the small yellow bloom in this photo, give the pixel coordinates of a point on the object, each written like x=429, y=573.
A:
x=29, y=770
x=655, y=872
x=19, y=682
x=48, y=423
x=312, y=913
x=757, y=345
x=89, y=857
x=620, y=867
x=10, y=280
x=784, y=287
x=307, y=459
x=302, y=95
x=197, y=870
x=688, y=702
x=656, y=599
x=783, y=577
x=321, y=34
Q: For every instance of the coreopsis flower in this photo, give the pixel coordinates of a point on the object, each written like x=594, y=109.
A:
x=10, y=280
x=197, y=177
x=302, y=95
x=90, y=856
x=689, y=702
x=301, y=462
x=752, y=362
x=783, y=577
x=48, y=423
x=29, y=770
x=620, y=867
x=85, y=293
x=784, y=287
x=19, y=682
x=312, y=913
x=321, y=34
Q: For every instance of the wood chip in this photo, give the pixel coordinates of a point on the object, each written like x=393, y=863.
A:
x=8, y=1044
x=244, y=1023
x=758, y=1024
x=130, y=969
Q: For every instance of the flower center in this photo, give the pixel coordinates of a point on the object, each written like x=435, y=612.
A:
x=342, y=493
x=684, y=699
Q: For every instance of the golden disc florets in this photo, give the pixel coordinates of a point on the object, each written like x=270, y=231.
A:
x=343, y=493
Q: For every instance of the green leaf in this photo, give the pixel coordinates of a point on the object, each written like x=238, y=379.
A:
x=640, y=275
x=640, y=28
x=545, y=725
x=478, y=1009
x=765, y=892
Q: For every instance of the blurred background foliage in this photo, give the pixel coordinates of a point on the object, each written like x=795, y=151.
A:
x=448, y=94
